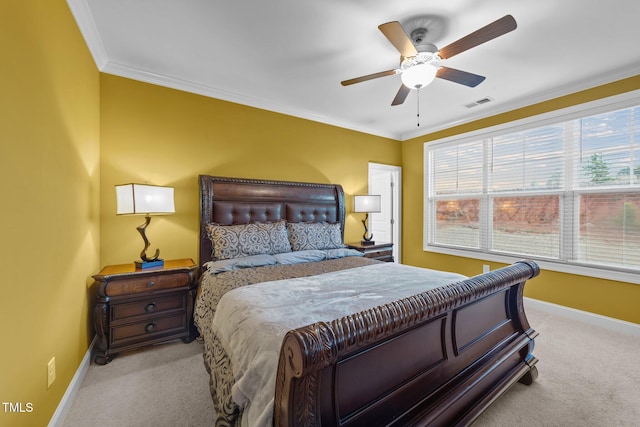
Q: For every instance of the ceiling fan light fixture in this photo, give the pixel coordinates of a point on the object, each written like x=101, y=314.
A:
x=420, y=60
x=418, y=76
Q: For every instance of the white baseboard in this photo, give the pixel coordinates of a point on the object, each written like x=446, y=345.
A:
x=584, y=316
x=72, y=390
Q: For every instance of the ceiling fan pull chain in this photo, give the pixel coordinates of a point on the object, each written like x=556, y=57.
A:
x=418, y=115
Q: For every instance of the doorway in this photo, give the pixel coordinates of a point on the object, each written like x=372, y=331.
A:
x=386, y=181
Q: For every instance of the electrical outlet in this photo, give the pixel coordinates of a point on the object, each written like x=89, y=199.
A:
x=486, y=268
x=51, y=371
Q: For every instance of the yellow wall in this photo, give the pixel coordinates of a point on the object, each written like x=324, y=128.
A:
x=49, y=179
x=168, y=137
x=610, y=298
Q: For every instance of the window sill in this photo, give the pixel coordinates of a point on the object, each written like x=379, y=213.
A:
x=600, y=273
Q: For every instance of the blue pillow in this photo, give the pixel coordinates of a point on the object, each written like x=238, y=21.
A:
x=341, y=253
x=220, y=266
x=298, y=257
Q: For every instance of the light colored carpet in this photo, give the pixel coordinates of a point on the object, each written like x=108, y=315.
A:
x=589, y=377
x=162, y=385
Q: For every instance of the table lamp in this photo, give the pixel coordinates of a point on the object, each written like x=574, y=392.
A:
x=147, y=200
x=366, y=204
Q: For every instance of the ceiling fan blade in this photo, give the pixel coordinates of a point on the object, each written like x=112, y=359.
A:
x=401, y=95
x=458, y=76
x=368, y=77
x=398, y=38
x=489, y=32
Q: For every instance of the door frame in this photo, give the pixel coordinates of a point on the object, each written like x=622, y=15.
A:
x=396, y=175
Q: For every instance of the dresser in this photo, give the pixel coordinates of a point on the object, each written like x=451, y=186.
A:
x=138, y=307
x=379, y=251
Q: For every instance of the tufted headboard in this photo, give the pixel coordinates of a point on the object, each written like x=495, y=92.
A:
x=228, y=201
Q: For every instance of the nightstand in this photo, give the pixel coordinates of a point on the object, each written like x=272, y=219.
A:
x=138, y=307
x=379, y=251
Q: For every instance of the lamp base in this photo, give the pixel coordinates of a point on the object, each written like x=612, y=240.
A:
x=367, y=237
x=149, y=264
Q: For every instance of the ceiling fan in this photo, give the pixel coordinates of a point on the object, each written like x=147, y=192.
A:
x=420, y=60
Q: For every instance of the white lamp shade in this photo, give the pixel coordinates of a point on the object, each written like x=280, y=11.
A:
x=139, y=199
x=418, y=76
x=368, y=203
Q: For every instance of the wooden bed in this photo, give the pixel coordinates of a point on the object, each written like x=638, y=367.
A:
x=438, y=358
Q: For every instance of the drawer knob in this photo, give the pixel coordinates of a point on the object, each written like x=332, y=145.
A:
x=150, y=327
x=151, y=283
x=150, y=307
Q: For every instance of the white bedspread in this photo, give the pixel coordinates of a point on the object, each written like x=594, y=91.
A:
x=252, y=321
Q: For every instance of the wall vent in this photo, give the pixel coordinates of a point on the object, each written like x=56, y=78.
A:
x=479, y=102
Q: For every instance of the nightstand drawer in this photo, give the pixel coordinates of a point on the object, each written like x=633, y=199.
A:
x=146, y=284
x=141, y=331
x=378, y=254
x=148, y=306
x=379, y=251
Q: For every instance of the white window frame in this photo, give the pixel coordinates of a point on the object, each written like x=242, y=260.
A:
x=626, y=100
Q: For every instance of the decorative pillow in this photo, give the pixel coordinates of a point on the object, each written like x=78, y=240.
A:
x=220, y=266
x=314, y=235
x=299, y=257
x=235, y=241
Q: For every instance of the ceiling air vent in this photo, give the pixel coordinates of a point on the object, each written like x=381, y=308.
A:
x=479, y=102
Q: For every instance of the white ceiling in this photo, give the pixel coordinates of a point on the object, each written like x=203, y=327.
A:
x=289, y=56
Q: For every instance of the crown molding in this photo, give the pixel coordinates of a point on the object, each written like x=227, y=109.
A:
x=138, y=74
x=84, y=19
x=86, y=24
x=88, y=29
x=531, y=100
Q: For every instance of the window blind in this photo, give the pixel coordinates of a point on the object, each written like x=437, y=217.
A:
x=568, y=192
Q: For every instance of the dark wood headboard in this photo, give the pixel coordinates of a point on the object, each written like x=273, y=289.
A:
x=230, y=201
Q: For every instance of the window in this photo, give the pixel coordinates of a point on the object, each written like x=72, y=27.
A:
x=566, y=193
